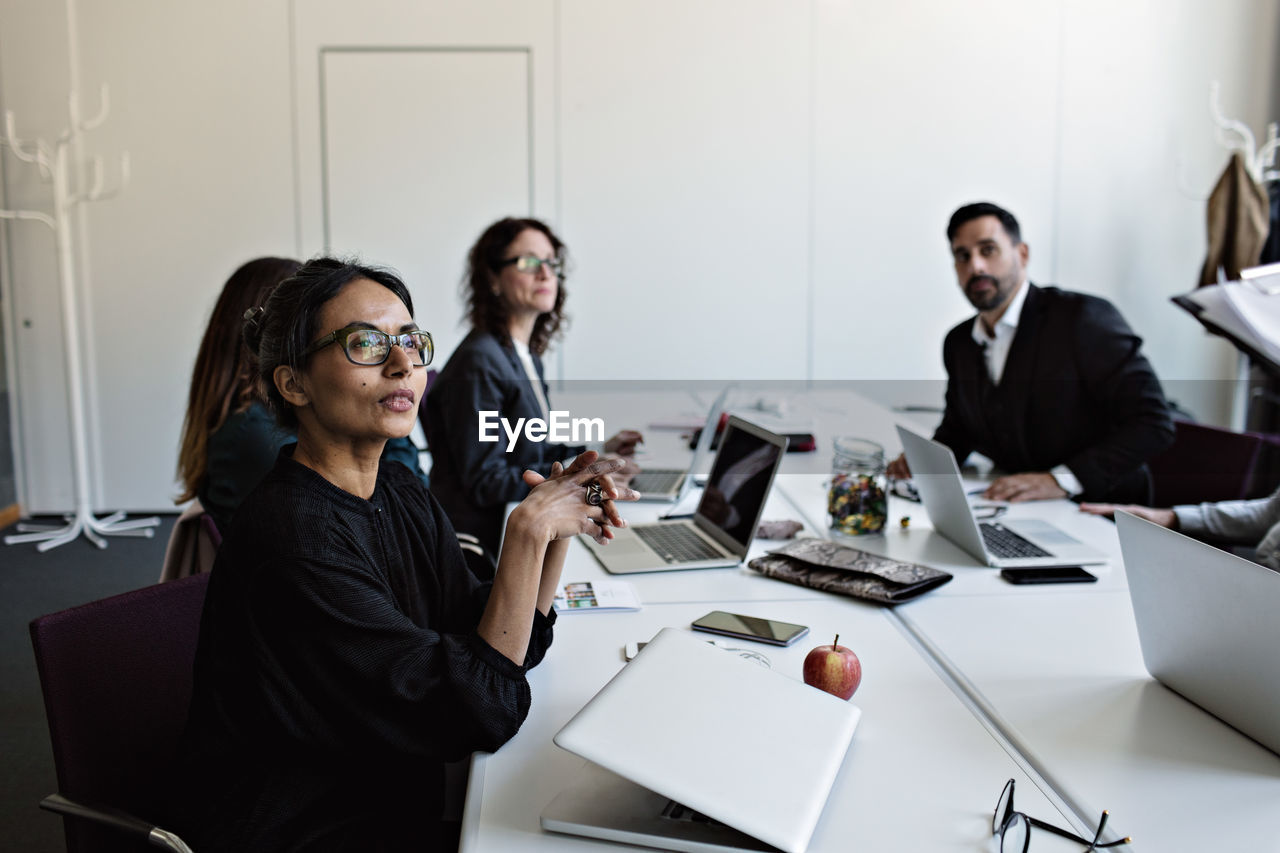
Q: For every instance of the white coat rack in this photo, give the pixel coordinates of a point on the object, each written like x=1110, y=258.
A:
x=1235, y=135
x=53, y=160
x=1260, y=162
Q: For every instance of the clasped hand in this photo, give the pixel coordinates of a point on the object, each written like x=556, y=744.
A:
x=558, y=507
x=1015, y=488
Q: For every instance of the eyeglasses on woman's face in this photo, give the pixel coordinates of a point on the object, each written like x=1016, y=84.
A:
x=370, y=347
x=532, y=264
x=1014, y=827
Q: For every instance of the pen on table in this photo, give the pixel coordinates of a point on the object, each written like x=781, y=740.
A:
x=978, y=491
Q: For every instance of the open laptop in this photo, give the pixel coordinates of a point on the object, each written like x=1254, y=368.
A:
x=693, y=748
x=1004, y=544
x=672, y=484
x=724, y=524
x=1207, y=625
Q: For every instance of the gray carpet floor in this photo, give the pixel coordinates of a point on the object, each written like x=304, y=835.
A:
x=33, y=584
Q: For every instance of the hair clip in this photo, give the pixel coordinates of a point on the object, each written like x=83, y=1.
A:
x=252, y=313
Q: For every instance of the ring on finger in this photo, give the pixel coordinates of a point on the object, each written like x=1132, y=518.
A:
x=595, y=494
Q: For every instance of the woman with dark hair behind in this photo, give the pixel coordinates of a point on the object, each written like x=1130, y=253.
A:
x=346, y=653
x=230, y=439
x=514, y=293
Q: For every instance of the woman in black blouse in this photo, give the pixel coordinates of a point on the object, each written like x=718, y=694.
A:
x=345, y=651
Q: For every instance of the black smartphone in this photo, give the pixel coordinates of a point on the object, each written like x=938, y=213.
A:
x=750, y=628
x=1048, y=574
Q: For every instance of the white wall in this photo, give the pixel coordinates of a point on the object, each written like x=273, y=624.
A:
x=789, y=165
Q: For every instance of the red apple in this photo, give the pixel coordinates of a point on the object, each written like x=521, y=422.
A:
x=834, y=669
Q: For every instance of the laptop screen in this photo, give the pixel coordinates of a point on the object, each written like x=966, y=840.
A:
x=739, y=483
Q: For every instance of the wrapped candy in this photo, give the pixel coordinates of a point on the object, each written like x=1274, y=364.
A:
x=857, y=500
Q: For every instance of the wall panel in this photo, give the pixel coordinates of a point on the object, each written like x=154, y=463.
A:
x=750, y=189
x=684, y=167
x=422, y=149
x=921, y=107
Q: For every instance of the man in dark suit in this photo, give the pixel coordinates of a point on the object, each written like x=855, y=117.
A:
x=1050, y=384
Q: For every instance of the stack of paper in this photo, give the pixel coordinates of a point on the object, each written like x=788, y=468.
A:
x=1248, y=309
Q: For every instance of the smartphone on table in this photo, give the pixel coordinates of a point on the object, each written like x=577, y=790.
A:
x=1048, y=574
x=750, y=628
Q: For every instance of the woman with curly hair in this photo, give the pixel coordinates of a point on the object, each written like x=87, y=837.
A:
x=515, y=295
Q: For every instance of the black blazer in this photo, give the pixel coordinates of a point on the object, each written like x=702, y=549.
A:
x=1076, y=391
x=472, y=480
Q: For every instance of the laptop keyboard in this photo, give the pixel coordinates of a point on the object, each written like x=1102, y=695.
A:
x=1003, y=542
x=657, y=480
x=676, y=543
x=680, y=812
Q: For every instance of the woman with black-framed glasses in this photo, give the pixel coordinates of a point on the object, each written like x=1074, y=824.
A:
x=230, y=439
x=515, y=296
x=346, y=652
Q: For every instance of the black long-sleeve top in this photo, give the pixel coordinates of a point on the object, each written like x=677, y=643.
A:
x=244, y=449
x=338, y=668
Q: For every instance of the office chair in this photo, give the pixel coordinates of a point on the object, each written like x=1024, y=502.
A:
x=193, y=544
x=210, y=529
x=1204, y=463
x=116, y=676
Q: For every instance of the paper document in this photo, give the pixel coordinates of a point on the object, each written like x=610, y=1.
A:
x=1245, y=310
x=597, y=596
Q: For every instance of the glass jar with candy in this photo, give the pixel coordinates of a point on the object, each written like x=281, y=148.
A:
x=857, y=499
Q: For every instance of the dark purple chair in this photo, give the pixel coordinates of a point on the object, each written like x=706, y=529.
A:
x=1204, y=463
x=116, y=676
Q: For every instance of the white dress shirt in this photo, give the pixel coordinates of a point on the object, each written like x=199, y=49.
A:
x=526, y=358
x=995, y=350
x=522, y=350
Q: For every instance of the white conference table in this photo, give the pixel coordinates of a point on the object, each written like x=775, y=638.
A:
x=974, y=683
x=1061, y=673
x=923, y=772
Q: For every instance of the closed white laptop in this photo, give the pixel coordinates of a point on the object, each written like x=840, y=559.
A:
x=724, y=524
x=1207, y=625
x=672, y=484
x=1004, y=544
x=749, y=747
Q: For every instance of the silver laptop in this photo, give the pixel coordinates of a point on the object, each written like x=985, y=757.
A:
x=672, y=484
x=679, y=759
x=1004, y=544
x=724, y=524
x=1207, y=625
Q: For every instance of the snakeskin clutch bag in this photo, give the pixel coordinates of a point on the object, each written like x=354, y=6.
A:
x=826, y=565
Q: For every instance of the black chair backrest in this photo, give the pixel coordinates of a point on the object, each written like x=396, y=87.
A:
x=1204, y=463
x=116, y=676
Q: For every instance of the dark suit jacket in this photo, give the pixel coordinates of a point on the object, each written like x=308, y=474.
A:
x=1076, y=391
x=472, y=480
